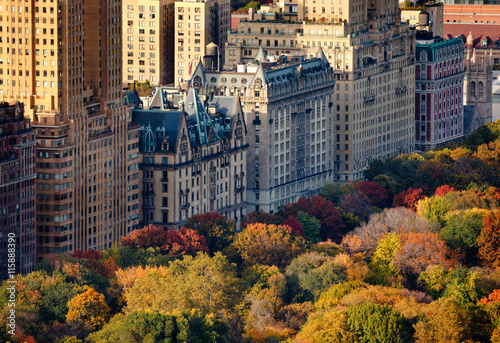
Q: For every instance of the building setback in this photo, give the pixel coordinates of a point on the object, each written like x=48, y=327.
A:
x=439, y=112
x=17, y=190
x=68, y=74
x=193, y=157
x=289, y=109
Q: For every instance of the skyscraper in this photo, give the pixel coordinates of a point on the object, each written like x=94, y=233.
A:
x=63, y=60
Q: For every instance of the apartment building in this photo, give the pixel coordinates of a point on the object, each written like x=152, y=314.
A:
x=193, y=157
x=148, y=42
x=197, y=24
x=373, y=55
x=289, y=108
x=17, y=191
x=432, y=13
x=64, y=61
x=439, y=111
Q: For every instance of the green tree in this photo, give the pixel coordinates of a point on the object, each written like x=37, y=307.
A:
x=216, y=228
x=315, y=272
x=252, y=4
x=382, y=265
x=310, y=226
x=376, y=323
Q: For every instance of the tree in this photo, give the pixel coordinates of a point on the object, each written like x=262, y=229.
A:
x=184, y=242
x=216, y=228
x=462, y=229
x=150, y=236
x=90, y=307
x=373, y=191
x=252, y=4
x=376, y=323
x=315, y=272
x=295, y=226
x=267, y=244
x=202, y=282
x=332, y=192
x=443, y=190
x=177, y=326
x=397, y=220
x=310, y=226
x=260, y=217
x=357, y=204
x=489, y=240
x=409, y=198
x=383, y=269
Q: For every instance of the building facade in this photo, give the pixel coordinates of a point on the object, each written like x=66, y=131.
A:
x=68, y=74
x=193, y=158
x=372, y=53
x=435, y=17
x=148, y=44
x=439, y=112
x=197, y=24
x=289, y=107
x=17, y=191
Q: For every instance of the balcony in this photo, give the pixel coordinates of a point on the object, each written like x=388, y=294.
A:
x=369, y=97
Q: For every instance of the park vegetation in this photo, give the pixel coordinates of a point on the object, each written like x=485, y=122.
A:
x=412, y=254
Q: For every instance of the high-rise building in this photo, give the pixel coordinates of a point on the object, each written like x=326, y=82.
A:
x=17, y=191
x=193, y=157
x=64, y=61
x=372, y=53
x=197, y=24
x=289, y=108
x=148, y=42
x=439, y=112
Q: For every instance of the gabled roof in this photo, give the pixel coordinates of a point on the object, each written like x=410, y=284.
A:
x=166, y=121
x=261, y=55
x=132, y=97
x=478, y=31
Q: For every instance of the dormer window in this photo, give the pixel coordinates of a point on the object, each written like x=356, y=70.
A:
x=423, y=56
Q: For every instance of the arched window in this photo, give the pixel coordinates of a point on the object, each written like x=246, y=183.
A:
x=473, y=88
x=480, y=89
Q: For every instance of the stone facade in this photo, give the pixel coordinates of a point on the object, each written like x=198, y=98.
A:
x=193, y=157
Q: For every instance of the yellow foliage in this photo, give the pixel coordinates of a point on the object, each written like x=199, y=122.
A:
x=90, y=307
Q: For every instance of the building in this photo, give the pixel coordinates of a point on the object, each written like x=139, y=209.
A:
x=472, y=11
x=68, y=74
x=17, y=190
x=373, y=55
x=193, y=157
x=439, y=112
x=434, y=14
x=197, y=24
x=479, y=87
x=289, y=108
x=148, y=43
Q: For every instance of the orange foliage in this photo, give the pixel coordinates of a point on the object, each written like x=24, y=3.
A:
x=493, y=297
x=409, y=198
x=489, y=240
x=443, y=190
x=22, y=338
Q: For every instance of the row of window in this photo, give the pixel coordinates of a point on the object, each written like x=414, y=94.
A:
x=141, y=8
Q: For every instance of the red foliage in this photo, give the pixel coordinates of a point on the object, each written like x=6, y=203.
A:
x=409, y=198
x=21, y=337
x=326, y=212
x=372, y=190
x=294, y=225
x=493, y=297
x=88, y=255
x=259, y=217
x=184, y=242
x=443, y=190
x=149, y=236
x=489, y=240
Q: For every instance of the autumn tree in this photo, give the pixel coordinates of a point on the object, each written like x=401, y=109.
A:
x=409, y=198
x=295, y=225
x=488, y=240
x=397, y=220
x=216, y=228
x=267, y=244
x=332, y=192
x=261, y=217
x=202, y=282
x=383, y=269
x=373, y=191
x=150, y=236
x=443, y=190
x=184, y=242
x=357, y=204
x=91, y=307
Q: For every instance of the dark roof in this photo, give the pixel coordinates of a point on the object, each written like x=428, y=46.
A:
x=169, y=120
x=132, y=97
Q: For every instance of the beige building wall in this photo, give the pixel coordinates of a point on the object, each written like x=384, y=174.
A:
x=63, y=60
x=375, y=81
x=198, y=23
x=147, y=28
x=435, y=18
